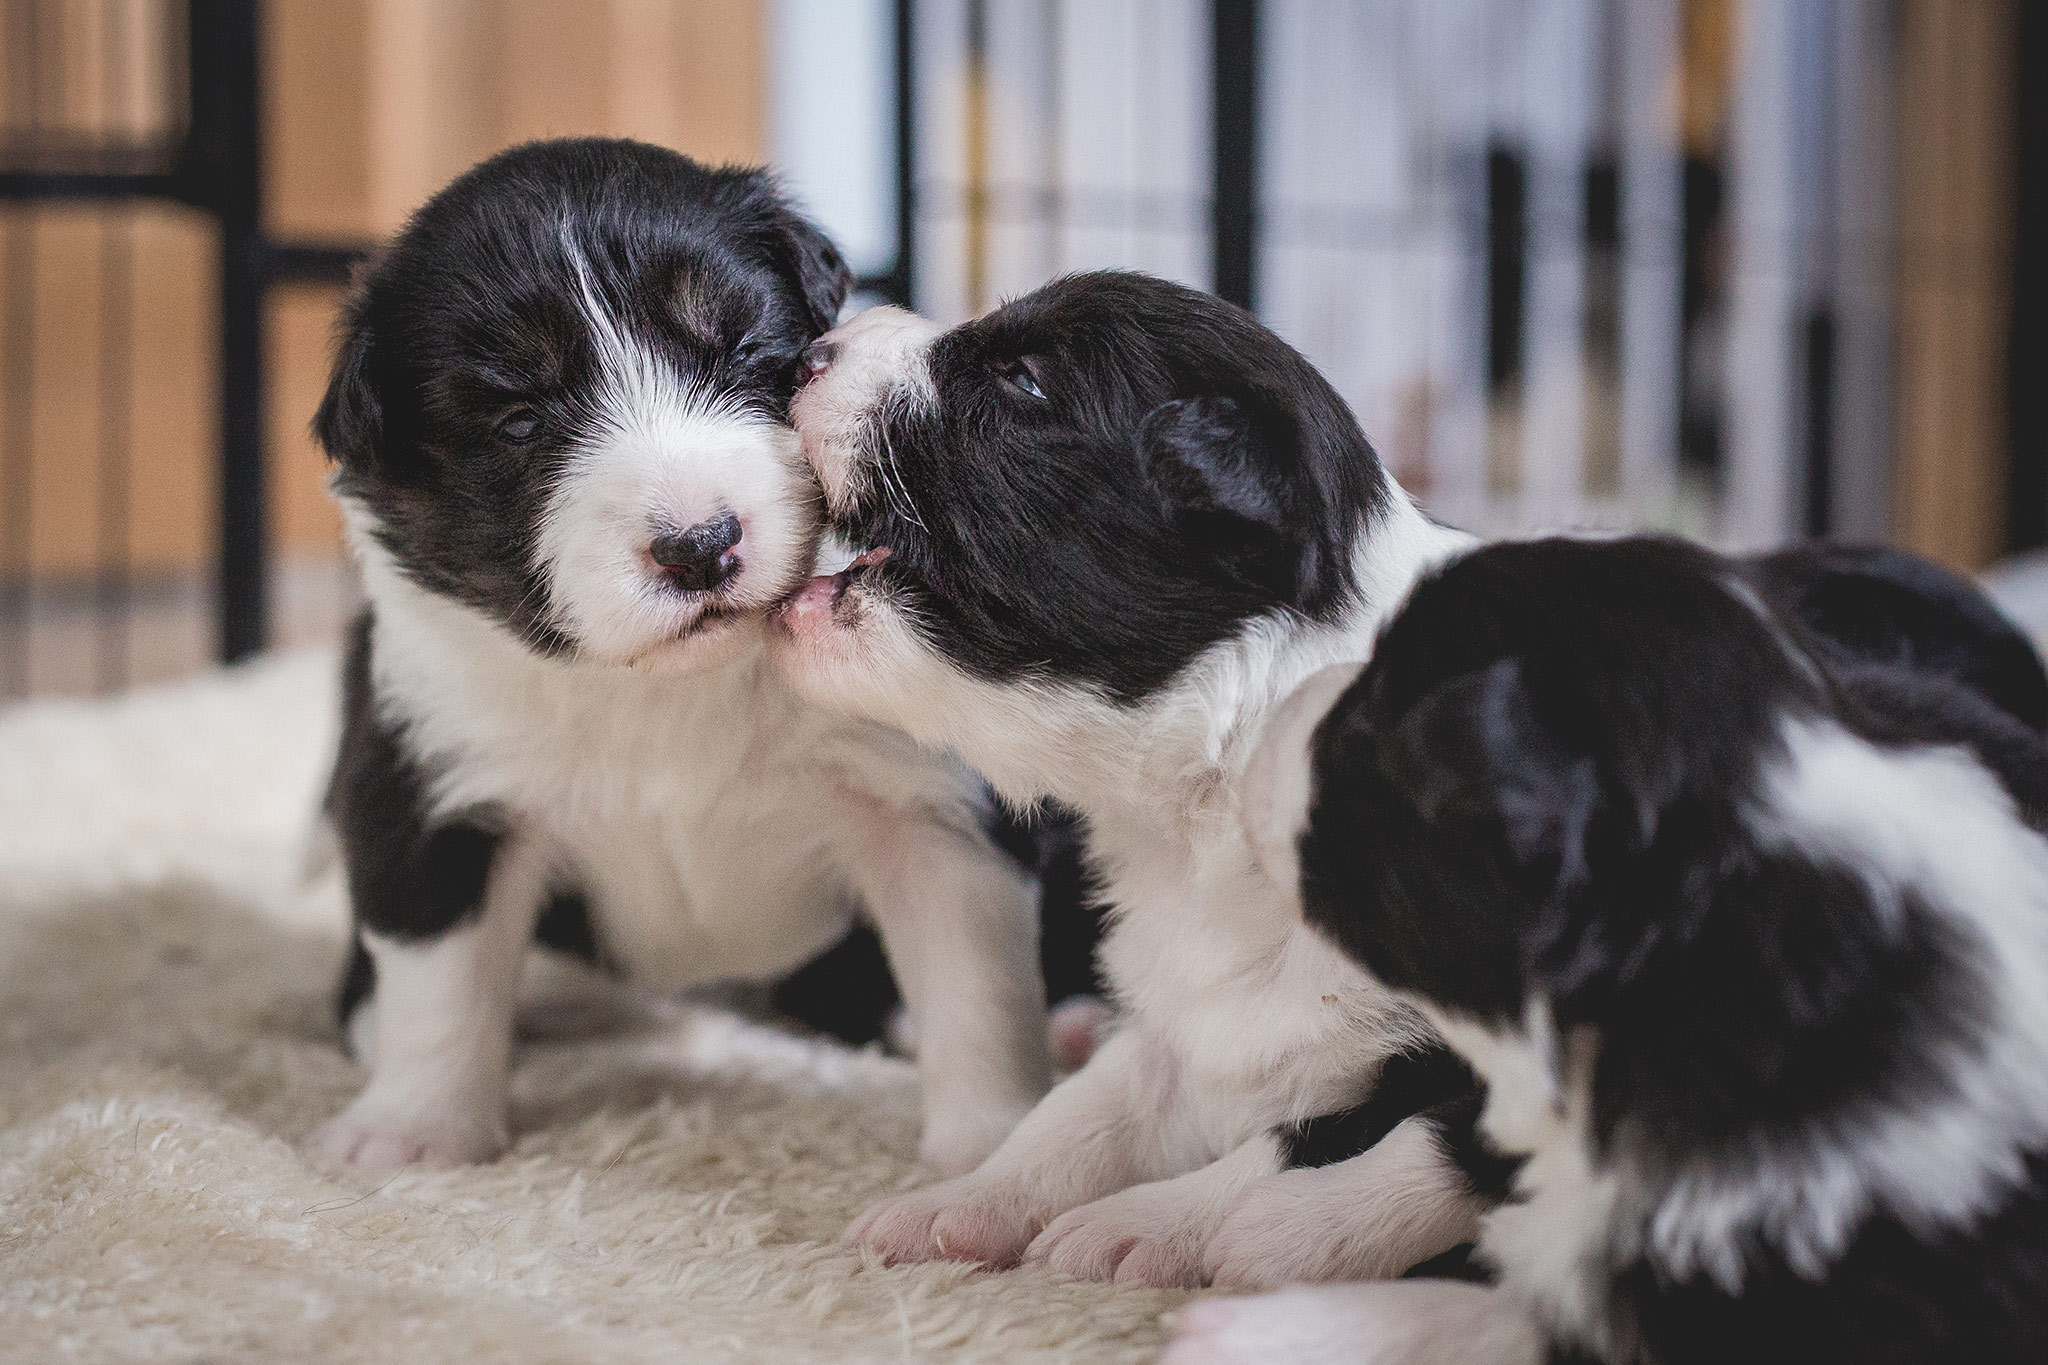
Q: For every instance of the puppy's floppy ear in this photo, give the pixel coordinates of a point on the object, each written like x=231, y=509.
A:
x=352, y=422
x=821, y=273
x=1475, y=756
x=1213, y=466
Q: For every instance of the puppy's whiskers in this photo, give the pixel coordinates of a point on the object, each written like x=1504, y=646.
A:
x=894, y=490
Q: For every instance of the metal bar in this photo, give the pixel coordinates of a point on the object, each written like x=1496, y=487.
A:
x=902, y=283
x=1235, y=83
x=311, y=263
x=225, y=170
x=45, y=186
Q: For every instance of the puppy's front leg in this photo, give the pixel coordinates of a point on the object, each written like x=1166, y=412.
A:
x=1121, y=1119
x=959, y=922
x=437, y=1034
x=1369, y=1217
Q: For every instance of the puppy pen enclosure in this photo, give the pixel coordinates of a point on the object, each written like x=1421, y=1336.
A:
x=115, y=107
x=1736, y=267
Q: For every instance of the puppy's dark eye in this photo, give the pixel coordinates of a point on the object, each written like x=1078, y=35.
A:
x=746, y=352
x=1019, y=376
x=519, y=425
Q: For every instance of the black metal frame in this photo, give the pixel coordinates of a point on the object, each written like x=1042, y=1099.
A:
x=217, y=167
x=898, y=282
x=1234, y=84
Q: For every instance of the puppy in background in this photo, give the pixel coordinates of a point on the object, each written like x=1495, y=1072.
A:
x=1729, y=879
x=558, y=415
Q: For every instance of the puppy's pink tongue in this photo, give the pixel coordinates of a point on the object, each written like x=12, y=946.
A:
x=818, y=594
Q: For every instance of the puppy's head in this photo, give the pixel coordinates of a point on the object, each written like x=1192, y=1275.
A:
x=1085, y=489
x=560, y=394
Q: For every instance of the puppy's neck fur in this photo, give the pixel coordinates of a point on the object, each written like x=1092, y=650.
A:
x=1169, y=769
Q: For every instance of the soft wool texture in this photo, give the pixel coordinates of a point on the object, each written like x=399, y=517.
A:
x=678, y=1181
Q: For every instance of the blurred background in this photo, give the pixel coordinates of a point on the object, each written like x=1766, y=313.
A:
x=1754, y=270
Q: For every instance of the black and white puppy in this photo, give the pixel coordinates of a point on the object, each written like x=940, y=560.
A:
x=1106, y=530
x=1730, y=880
x=558, y=414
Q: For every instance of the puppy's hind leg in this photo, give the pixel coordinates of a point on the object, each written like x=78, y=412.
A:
x=959, y=922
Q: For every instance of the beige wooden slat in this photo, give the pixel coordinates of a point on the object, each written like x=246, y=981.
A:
x=1954, y=213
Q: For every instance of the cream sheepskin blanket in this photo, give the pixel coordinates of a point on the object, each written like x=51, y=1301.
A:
x=679, y=1178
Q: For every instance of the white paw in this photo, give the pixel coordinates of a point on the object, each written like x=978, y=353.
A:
x=964, y=1219
x=1149, y=1234
x=381, y=1137
x=1314, y=1226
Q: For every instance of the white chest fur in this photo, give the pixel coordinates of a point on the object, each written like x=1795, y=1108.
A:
x=709, y=812
x=1271, y=1023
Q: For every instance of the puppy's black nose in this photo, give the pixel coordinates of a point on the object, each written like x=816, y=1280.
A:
x=818, y=357
x=700, y=558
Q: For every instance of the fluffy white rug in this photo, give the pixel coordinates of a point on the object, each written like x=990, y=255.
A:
x=676, y=1191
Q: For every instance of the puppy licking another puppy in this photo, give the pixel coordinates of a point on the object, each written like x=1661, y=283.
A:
x=1122, y=522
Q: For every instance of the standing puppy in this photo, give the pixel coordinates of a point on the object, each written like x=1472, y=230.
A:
x=558, y=417
x=1730, y=880
x=1104, y=530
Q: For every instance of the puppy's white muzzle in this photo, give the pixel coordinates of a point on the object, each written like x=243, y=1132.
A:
x=671, y=520
x=853, y=369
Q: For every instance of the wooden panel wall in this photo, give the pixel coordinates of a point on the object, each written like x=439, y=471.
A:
x=1955, y=153
x=372, y=105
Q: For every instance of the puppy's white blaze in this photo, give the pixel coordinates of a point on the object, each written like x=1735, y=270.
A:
x=1279, y=782
x=661, y=469
x=1934, y=821
x=663, y=455
x=880, y=353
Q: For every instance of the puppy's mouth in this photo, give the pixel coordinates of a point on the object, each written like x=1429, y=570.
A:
x=825, y=590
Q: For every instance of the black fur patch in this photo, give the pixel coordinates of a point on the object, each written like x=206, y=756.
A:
x=1892, y=1298
x=408, y=877
x=1869, y=605
x=1183, y=472
x=1409, y=1084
